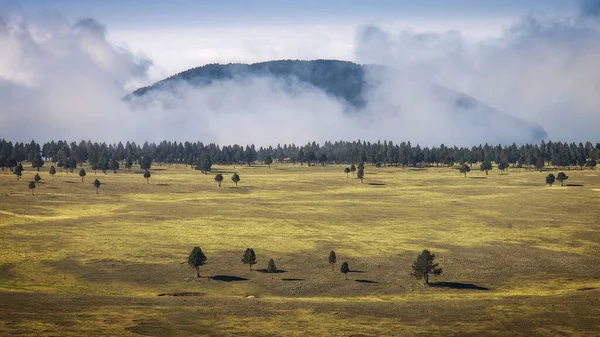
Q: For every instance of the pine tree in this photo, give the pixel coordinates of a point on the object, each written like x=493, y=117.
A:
x=361, y=172
x=52, y=171
x=196, y=259
x=486, y=166
x=271, y=268
x=269, y=160
x=464, y=169
x=561, y=177
x=347, y=171
x=249, y=257
x=37, y=178
x=332, y=259
x=550, y=179
x=219, y=179
x=345, y=269
x=235, y=178
x=31, y=186
x=352, y=169
x=82, y=173
x=97, y=185
x=424, y=265
x=147, y=176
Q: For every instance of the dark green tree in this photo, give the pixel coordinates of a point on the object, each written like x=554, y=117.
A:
x=332, y=260
x=347, y=171
x=323, y=159
x=219, y=179
x=486, y=166
x=97, y=185
x=352, y=169
x=82, y=173
x=114, y=165
x=424, y=266
x=345, y=269
x=249, y=257
x=361, y=172
x=19, y=171
x=204, y=164
x=196, y=259
x=591, y=163
x=561, y=177
x=464, y=169
x=37, y=162
x=31, y=186
x=128, y=163
x=271, y=268
x=301, y=156
x=539, y=164
x=95, y=167
x=550, y=179
x=235, y=178
x=147, y=176
x=502, y=165
x=52, y=171
x=37, y=178
x=269, y=160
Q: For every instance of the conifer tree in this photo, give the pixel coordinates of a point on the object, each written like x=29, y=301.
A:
x=550, y=179
x=249, y=257
x=219, y=179
x=235, y=178
x=271, y=268
x=424, y=266
x=52, y=171
x=196, y=259
x=31, y=186
x=82, y=173
x=97, y=185
x=332, y=259
x=464, y=169
x=561, y=177
x=345, y=269
x=147, y=176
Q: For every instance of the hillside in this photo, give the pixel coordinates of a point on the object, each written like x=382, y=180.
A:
x=352, y=83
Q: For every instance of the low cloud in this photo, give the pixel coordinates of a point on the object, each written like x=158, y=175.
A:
x=61, y=80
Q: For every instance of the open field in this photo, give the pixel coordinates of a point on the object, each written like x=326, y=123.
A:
x=519, y=258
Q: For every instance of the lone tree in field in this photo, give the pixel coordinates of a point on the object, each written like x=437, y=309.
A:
x=486, y=166
x=37, y=178
x=550, y=179
x=347, y=170
x=425, y=265
x=249, y=257
x=82, y=173
x=235, y=178
x=219, y=179
x=352, y=169
x=97, y=185
x=52, y=171
x=345, y=269
x=271, y=268
x=269, y=161
x=19, y=171
x=147, y=176
x=561, y=177
x=332, y=260
x=361, y=172
x=464, y=169
x=502, y=165
x=196, y=259
x=31, y=186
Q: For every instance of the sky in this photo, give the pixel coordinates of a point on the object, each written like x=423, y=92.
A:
x=67, y=63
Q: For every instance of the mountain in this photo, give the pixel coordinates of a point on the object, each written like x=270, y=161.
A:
x=350, y=83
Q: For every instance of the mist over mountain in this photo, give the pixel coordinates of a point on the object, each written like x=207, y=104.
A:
x=361, y=89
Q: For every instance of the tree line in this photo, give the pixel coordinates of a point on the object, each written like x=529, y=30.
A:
x=112, y=157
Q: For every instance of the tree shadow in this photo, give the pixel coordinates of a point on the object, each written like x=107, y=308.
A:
x=574, y=185
x=477, y=177
x=228, y=278
x=357, y=271
x=163, y=185
x=376, y=184
x=292, y=279
x=457, y=285
x=182, y=294
x=365, y=281
x=265, y=271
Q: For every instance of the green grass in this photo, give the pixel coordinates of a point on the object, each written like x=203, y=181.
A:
x=530, y=244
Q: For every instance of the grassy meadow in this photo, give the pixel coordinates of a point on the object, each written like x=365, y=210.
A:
x=519, y=258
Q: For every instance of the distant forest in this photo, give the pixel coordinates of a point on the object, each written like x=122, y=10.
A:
x=105, y=157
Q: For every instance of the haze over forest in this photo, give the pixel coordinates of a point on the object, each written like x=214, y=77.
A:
x=64, y=77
